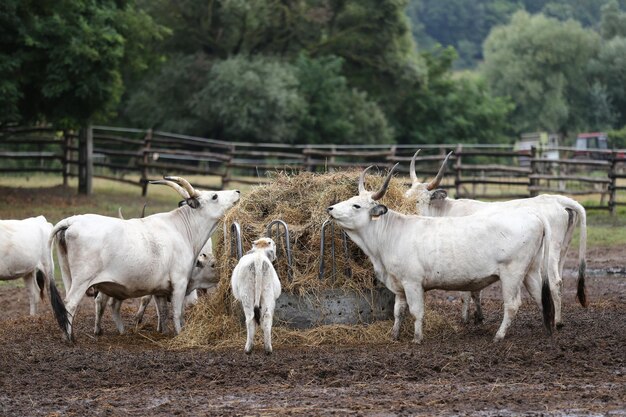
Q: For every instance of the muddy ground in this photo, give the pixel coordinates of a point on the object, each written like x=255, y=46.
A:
x=579, y=371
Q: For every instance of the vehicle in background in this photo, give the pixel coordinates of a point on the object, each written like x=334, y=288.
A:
x=587, y=143
x=544, y=142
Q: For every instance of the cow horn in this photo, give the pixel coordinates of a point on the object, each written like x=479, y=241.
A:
x=185, y=184
x=362, y=179
x=412, y=168
x=383, y=189
x=435, y=182
x=175, y=186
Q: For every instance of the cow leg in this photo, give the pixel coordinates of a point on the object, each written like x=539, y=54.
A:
x=117, y=317
x=465, y=296
x=251, y=329
x=415, y=300
x=399, y=309
x=72, y=301
x=145, y=300
x=101, y=303
x=33, y=292
x=162, y=313
x=512, y=297
x=478, y=314
x=178, y=305
x=266, y=323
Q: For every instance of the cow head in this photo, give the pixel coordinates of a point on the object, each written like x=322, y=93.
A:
x=212, y=203
x=266, y=245
x=423, y=193
x=203, y=275
x=361, y=209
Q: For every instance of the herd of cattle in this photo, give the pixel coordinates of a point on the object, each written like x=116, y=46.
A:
x=463, y=245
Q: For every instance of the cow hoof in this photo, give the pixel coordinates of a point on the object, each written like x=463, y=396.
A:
x=268, y=351
x=559, y=326
x=98, y=332
x=248, y=352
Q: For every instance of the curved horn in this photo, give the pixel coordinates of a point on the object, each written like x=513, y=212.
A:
x=185, y=184
x=362, y=179
x=412, y=168
x=435, y=182
x=383, y=189
x=175, y=186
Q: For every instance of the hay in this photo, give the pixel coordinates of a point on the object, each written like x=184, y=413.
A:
x=210, y=328
x=301, y=202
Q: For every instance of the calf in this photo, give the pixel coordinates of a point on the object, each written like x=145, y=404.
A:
x=255, y=283
x=24, y=253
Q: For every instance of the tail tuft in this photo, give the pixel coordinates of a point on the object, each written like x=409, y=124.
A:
x=41, y=282
x=580, y=292
x=547, y=304
x=58, y=307
x=257, y=314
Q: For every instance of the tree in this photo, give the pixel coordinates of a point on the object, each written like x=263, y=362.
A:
x=61, y=61
x=539, y=63
x=449, y=110
x=251, y=99
x=337, y=113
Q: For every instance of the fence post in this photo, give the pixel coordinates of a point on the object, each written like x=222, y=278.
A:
x=534, y=170
x=67, y=143
x=147, y=142
x=85, y=160
x=227, y=171
x=457, y=169
x=613, y=184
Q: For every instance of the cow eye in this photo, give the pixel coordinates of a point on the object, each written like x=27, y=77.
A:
x=214, y=196
x=356, y=206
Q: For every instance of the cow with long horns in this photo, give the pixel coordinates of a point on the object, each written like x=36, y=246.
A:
x=563, y=213
x=132, y=258
x=414, y=254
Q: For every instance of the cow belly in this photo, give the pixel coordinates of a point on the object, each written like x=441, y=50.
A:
x=468, y=284
x=122, y=292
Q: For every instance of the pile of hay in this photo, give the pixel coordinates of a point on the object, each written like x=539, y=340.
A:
x=300, y=201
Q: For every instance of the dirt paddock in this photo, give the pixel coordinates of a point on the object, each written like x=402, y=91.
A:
x=580, y=371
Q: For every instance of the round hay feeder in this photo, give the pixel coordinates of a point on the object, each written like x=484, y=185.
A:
x=325, y=277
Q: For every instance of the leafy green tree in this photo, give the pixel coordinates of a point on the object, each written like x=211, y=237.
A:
x=449, y=110
x=539, y=63
x=251, y=99
x=336, y=112
x=61, y=61
x=608, y=70
x=164, y=99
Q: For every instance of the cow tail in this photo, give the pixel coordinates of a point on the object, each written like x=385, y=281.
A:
x=547, y=302
x=41, y=282
x=56, y=301
x=581, y=296
x=258, y=286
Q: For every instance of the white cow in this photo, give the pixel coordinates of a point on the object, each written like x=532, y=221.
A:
x=255, y=283
x=561, y=212
x=414, y=254
x=203, y=276
x=132, y=258
x=24, y=253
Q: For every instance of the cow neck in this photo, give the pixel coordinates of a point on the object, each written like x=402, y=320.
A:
x=378, y=234
x=195, y=228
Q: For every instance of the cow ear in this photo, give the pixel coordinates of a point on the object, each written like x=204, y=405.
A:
x=378, y=210
x=438, y=194
x=193, y=202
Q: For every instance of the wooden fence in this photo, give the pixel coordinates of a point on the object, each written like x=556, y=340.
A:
x=134, y=156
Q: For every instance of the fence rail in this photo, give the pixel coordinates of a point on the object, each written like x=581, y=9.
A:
x=474, y=171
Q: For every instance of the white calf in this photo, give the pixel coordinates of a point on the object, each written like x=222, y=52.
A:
x=256, y=284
